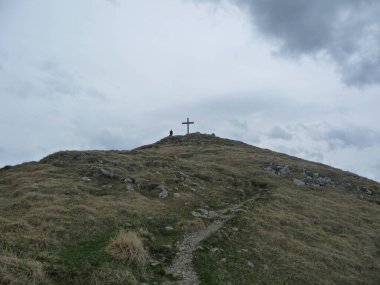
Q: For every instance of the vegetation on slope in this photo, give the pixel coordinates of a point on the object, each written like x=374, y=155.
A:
x=64, y=220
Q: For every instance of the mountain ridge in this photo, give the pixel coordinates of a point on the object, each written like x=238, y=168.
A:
x=293, y=221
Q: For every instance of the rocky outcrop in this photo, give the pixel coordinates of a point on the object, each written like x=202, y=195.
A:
x=146, y=188
x=279, y=169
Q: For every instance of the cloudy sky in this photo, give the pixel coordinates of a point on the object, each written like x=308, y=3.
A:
x=296, y=76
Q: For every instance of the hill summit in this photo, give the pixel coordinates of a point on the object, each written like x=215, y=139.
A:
x=193, y=209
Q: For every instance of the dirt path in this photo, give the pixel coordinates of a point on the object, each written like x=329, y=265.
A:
x=182, y=266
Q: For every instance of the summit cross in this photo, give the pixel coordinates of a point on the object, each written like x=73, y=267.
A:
x=187, y=123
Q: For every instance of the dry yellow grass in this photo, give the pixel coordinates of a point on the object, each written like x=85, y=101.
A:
x=14, y=271
x=128, y=246
x=144, y=234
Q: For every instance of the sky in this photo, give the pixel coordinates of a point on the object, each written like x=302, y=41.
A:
x=295, y=76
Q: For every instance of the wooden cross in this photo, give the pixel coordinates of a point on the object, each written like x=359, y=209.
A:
x=187, y=123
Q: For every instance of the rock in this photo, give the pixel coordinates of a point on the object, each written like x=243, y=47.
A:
x=154, y=190
x=203, y=213
x=164, y=192
x=235, y=229
x=177, y=195
x=139, y=180
x=215, y=249
x=269, y=169
x=316, y=180
x=169, y=228
x=250, y=264
x=154, y=262
x=128, y=180
x=284, y=170
x=266, y=267
x=86, y=179
x=321, y=181
x=309, y=178
x=366, y=191
x=223, y=259
x=308, y=172
x=129, y=188
x=298, y=182
x=278, y=169
x=239, y=210
x=106, y=173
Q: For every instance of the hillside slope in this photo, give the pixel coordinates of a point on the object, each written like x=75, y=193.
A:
x=194, y=209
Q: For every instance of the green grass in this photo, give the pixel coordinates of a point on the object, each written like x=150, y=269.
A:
x=78, y=263
x=85, y=254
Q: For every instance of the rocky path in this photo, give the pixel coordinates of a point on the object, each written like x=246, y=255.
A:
x=182, y=266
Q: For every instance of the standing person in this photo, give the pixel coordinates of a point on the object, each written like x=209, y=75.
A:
x=171, y=133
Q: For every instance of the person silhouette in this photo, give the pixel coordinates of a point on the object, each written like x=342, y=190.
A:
x=171, y=133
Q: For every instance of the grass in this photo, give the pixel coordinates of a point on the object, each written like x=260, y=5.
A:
x=129, y=247
x=85, y=255
x=15, y=270
x=298, y=237
x=56, y=228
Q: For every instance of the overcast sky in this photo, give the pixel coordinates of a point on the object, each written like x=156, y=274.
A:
x=296, y=76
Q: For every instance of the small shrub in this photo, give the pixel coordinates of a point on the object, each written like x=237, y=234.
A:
x=128, y=246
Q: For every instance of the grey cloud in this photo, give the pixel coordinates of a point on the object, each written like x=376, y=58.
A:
x=243, y=103
x=376, y=166
x=239, y=124
x=58, y=81
x=54, y=82
x=351, y=137
x=346, y=31
x=21, y=89
x=94, y=93
x=279, y=133
x=108, y=139
x=300, y=152
x=341, y=137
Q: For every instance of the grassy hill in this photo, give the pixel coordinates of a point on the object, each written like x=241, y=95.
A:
x=187, y=210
